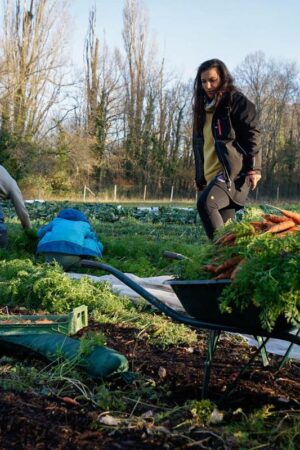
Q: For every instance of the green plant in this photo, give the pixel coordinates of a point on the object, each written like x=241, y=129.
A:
x=201, y=410
x=263, y=427
x=268, y=281
x=46, y=286
x=88, y=342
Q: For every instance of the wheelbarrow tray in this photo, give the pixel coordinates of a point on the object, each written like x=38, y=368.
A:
x=201, y=299
x=44, y=323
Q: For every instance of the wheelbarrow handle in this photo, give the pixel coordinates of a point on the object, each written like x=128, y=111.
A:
x=141, y=291
x=133, y=285
x=179, y=317
x=173, y=255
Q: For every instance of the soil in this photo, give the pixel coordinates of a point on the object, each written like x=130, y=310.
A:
x=31, y=421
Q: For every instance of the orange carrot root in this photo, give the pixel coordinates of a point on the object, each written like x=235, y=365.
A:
x=226, y=239
x=291, y=215
x=237, y=269
x=210, y=268
x=275, y=219
x=293, y=229
x=281, y=227
x=223, y=276
x=232, y=262
x=258, y=226
x=70, y=401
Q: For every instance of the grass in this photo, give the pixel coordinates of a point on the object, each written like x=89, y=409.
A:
x=120, y=200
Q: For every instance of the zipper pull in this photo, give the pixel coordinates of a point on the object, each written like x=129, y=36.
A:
x=219, y=127
x=228, y=183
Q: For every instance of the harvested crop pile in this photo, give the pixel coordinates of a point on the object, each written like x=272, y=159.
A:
x=262, y=259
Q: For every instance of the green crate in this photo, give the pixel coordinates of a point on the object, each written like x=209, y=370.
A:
x=28, y=324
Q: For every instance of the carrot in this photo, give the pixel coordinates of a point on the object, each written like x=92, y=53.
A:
x=70, y=401
x=274, y=218
x=258, y=226
x=268, y=224
x=226, y=239
x=210, y=268
x=281, y=227
x=237, y=269
x=220, y=239
x=229, y=240
x=232, y=262
x=293, y=229
x=290, y=214
x=223, y=276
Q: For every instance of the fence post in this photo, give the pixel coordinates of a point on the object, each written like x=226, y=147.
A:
x=86, y=188
x=145, y=192
x=115, y=193
x=172, y=193
x=277, y=193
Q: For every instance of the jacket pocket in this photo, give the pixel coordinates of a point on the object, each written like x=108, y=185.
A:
x=223, y=129
x=235, y=160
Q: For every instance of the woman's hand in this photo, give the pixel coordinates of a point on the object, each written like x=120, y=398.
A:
x=252, y=178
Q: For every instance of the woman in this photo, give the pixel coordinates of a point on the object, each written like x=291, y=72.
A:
x=225, y=143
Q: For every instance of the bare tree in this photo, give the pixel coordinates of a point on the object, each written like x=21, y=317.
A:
x=92, y=79
x=31, y=49
x=103, y=95
x=135, y=76
x=272, y=86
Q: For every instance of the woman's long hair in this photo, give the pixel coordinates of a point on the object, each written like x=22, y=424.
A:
x=200, y=97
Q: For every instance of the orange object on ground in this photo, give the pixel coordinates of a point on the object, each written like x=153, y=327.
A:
x=281, y=227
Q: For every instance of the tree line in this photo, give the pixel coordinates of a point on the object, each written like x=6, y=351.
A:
x=122, y=118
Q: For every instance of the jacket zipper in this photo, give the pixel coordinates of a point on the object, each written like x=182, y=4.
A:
x=241, y=148
x=219, y=127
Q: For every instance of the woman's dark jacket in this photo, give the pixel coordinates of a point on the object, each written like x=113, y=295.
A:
x=234, y=128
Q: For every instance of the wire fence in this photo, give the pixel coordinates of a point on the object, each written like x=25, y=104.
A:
x=168, y=193
x=173, y=193
x=140, y=193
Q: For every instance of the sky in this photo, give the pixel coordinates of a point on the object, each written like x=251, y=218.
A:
x=188, y=32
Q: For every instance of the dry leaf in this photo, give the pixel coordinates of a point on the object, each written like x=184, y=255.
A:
x=109, y=420
x=162, y=372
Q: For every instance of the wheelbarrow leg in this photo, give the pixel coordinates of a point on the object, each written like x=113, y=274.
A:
x=212, y=341
x=263, y=352
x=287, y=353
x=243, y=369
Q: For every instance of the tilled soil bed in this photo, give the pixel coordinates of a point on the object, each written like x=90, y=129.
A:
x=32, y=421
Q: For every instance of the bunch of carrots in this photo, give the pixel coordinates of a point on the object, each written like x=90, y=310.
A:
x=277, y=225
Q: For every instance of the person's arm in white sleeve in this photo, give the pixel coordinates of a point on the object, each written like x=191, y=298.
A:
x=18, y=202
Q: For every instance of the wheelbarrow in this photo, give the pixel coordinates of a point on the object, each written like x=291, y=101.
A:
x=200, y=316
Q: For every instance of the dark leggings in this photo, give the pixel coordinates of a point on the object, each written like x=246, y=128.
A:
x=215, y=207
